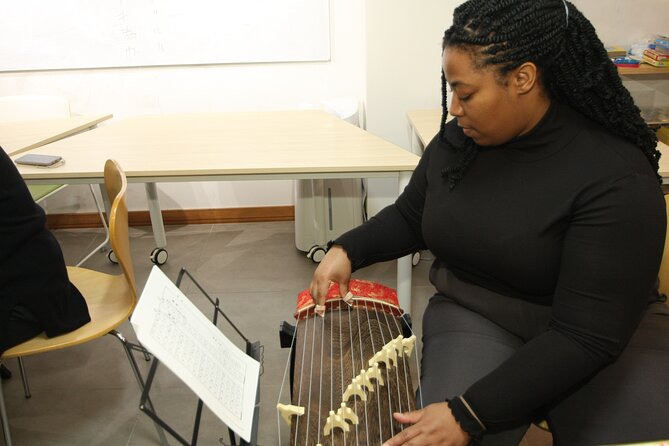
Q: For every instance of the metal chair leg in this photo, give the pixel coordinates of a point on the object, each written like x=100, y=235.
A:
x=4, y=419
x=24, y=378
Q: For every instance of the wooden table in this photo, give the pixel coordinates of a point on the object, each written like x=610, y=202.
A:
x=424, y=124
x=21, y=136
x=307, y=144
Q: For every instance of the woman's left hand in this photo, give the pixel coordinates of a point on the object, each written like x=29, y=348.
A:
x=433, y=425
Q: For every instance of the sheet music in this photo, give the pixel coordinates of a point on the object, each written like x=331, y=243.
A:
x=194, y=349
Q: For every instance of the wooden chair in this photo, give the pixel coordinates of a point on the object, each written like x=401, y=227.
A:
x=663, y=275
x=35, y=107
x=110, y=298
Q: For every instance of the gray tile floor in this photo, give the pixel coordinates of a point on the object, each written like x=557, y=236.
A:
x=87, y=395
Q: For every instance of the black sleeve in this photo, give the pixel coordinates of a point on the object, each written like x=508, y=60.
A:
x=20, y=218
x=396, y=230
x=610, y=261
x=31, y=263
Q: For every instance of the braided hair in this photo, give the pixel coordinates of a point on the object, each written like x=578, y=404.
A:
x=572, y=62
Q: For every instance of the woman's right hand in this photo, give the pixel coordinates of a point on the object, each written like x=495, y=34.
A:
x=335, y=267
x=432, y=425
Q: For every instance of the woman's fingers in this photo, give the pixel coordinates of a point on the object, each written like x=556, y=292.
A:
x=335, y=267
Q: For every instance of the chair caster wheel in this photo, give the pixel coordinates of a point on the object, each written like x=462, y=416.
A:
x=316, y=253
x=112, y=257
x=159, y=256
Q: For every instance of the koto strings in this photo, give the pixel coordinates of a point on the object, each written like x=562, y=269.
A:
x=351, y=369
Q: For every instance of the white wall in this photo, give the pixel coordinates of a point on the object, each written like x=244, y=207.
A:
x=241, y=87
x=403, y=53
x=621, y=22
x=386, y=52
x=403, y=44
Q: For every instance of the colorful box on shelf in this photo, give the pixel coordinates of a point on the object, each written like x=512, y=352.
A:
x=656, y=58
x=655, y=55
x=625, y=62
x=656, y=63
x=662, y=43
x=615, y=51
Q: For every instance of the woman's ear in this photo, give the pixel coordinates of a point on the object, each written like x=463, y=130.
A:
x=524, y=78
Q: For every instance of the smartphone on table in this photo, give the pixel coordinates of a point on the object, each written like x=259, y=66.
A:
x=34, y=159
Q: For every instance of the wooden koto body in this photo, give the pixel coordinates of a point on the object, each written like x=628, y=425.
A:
x=351, y=369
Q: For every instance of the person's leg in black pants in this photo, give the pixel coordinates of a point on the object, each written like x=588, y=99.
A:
x=460, y=347
x=21, y=326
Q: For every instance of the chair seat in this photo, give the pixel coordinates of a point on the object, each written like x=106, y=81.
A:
x=110, y=302
x=41, y=191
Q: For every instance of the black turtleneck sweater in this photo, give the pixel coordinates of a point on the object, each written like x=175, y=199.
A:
x=568, y=216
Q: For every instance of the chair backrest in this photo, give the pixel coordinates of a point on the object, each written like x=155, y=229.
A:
x=346, y=108
x=33, y=107
x=116, y=186
x=664, y=266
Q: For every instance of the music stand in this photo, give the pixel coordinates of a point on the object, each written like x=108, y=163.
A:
x=253, y=349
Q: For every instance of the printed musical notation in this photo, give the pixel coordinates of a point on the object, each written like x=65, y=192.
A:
x=195, y=350
x=203, y=354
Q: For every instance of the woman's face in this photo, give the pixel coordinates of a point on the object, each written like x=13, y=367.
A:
x=488, y=111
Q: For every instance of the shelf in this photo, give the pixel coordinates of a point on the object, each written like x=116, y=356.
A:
x=643, y=70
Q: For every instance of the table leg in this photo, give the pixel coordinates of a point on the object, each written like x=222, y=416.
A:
x=404, y=265
x=156, y=216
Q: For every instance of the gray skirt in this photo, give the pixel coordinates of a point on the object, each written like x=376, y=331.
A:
x=468, y=331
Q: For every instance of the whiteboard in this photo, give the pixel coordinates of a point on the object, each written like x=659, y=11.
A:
x=70, y=34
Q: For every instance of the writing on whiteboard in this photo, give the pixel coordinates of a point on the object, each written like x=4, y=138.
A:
x=70, y=34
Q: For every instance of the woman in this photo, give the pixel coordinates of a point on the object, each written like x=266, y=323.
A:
x=35, y=292
x=542, y=206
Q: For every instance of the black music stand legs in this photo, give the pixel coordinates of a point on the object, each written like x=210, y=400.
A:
x=253, y=349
